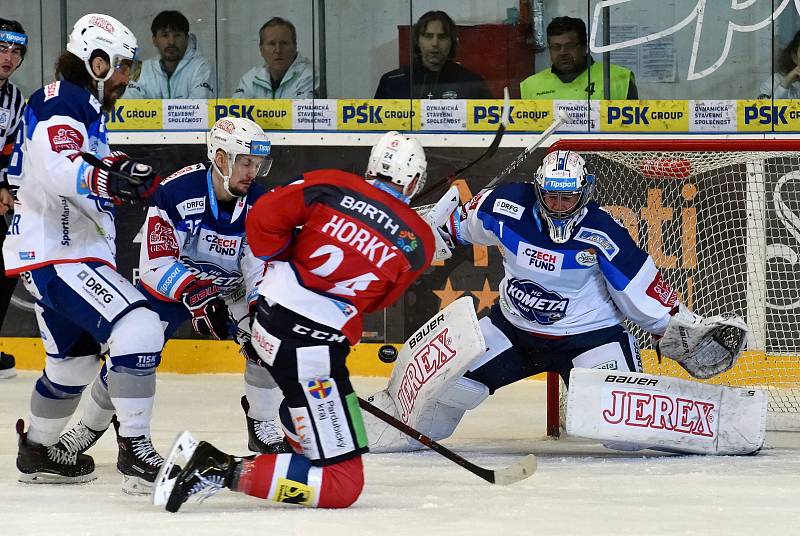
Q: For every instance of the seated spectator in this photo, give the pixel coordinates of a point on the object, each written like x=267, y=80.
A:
x=574, y=75
x=180, y=72
x=433, y=74
x=286, y=74
x=785, y=83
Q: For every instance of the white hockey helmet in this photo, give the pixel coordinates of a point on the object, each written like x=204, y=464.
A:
x=95, y=32
x=238, y=136
x=399, y=159
x=563, y=181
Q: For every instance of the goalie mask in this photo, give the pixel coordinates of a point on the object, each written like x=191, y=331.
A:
x=400, y=160
x=238, y=138
x=562, y=191
x=100, y=35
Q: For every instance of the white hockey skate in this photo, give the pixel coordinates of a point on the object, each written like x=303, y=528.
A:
x=182, y=449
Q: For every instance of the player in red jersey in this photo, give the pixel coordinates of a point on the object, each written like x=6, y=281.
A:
x=337, y=246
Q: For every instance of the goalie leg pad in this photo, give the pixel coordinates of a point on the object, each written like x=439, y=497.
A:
x=435, y=356
x=665, y=413
x=440, y=419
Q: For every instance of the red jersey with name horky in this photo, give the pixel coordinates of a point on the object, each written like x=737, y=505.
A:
x=339, y=247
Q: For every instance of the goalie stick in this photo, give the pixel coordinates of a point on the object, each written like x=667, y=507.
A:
x=503, y=477
x=488, y=153
x=561, y=118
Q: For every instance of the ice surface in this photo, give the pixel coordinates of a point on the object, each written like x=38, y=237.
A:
x=580, y=487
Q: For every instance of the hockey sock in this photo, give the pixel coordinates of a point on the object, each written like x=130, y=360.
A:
x=133, y=396
x=290, y=478
x=99, y=409
x=263, y=394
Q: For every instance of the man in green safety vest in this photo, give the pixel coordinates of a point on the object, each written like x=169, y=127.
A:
x=574, y=75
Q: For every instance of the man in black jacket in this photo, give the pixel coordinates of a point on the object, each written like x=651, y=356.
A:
x=433, y=73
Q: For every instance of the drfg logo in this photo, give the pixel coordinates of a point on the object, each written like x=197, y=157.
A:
x=639, y=115
x=95, y=287
x=768, y=115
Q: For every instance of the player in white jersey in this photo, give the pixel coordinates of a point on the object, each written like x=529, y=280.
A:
x=195, y=264
x=573, y=275
x=61, y=243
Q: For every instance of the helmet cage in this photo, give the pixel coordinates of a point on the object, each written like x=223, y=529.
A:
x=563, y=174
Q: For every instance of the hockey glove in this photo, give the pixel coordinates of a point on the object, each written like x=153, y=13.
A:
x=209, y=313
x=704, y=347
x=120, y=179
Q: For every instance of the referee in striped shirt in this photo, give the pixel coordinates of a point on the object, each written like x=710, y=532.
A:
x=13, y=45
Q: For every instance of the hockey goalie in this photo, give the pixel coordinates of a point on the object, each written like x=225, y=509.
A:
x=573, y=275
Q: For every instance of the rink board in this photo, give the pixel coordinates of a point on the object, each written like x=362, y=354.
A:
x=189, y=356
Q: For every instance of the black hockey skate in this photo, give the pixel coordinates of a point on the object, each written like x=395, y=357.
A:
x=138, y=462
x=80, y=438
x=264, y=437
x=51, y=465
x=207, y=471
x=7, y=364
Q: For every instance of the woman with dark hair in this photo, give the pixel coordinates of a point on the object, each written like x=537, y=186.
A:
x=785, y=83
x=433, y=74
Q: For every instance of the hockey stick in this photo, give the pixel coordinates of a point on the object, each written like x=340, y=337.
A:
x=488, y=153
x=503, y=477
x=561, y=118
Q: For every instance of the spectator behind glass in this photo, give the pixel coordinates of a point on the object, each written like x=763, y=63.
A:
x=180, y=72
x=785, y=83
x=574, y=74
x=433, y=73
x=286, y=74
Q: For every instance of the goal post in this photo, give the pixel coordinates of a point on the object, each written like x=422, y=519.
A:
x=721, y=219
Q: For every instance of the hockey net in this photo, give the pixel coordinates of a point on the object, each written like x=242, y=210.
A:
x=721, y=219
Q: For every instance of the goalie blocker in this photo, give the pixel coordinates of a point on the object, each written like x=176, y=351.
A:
x=631, y=411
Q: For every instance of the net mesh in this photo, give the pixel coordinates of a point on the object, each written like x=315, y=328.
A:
x=724, y=229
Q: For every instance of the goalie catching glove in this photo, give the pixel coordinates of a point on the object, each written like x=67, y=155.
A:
x=121, y=179
x=705, y=347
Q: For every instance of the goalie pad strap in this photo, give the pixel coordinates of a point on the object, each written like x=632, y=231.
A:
x=665, y=413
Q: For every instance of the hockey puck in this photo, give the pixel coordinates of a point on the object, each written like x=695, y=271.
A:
x=387, y=353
